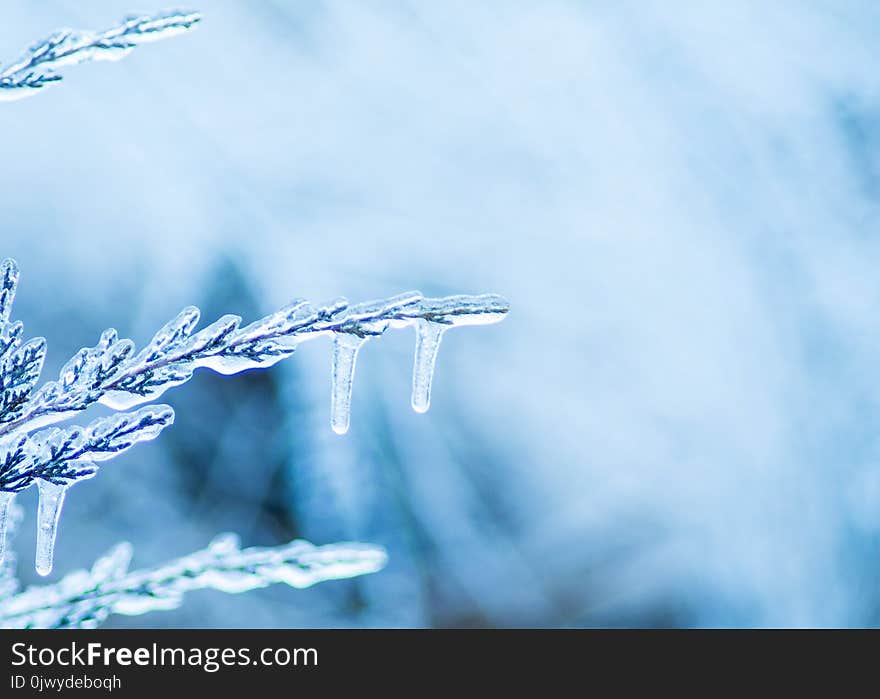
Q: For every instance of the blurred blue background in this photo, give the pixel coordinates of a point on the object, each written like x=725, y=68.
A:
x=678, y=423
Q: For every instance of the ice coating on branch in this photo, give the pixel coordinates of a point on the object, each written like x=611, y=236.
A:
x=345, y=351
x=84, y=599
x=6, y=499
x=20, y=370
x=374, y=317
x=170, y=336
x=66, y=455
x=482, y=309
x=48, y=513
x=38, y=67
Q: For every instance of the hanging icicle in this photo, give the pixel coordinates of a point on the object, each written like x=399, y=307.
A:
x=48, y=513
x=438, y=316
x=5, y=505
x=345, y=351
x=428, y=336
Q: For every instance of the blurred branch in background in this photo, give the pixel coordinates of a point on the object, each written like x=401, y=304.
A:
x=40, y=64
x=84, y=599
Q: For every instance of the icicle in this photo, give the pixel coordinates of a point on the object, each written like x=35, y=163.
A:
x=345, y=350
x=438, y=316
x=428, y=336
x=5, y=503
x=48, y=511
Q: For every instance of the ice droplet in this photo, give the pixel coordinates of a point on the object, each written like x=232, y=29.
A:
x=48, y=511
x=428, y=336
x=5, y=501
x=345, y=350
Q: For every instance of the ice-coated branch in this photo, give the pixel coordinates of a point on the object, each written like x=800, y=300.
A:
x=84, y=599
x=39, y=65
x=114, y=374
x=111, y=373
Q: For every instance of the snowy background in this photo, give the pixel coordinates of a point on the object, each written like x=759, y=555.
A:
x=678, y=424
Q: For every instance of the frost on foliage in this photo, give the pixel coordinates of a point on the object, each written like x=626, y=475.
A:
x=39, y=65
x=114, y=374
x=84, y=599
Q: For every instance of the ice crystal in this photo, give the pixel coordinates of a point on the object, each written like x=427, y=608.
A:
x=114, y=374
x=39, y=65
x=84, y=599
